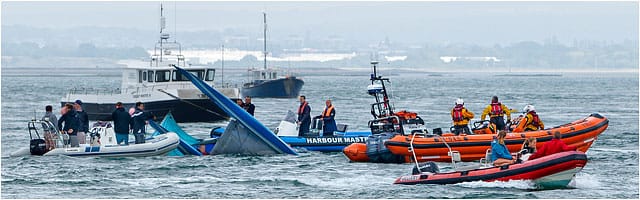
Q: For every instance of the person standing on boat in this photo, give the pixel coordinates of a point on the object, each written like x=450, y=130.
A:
x=328, y=119
x=556, y=145
x=50, y=134
x=461, y=116
x=304, y=116
x=496, y=112
x=71, y=124
x=84, y=121
x=122, y=123
x=500, y=154
x=140, y=118
x=248, y=106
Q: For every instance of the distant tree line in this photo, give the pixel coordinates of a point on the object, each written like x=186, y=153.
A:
x=34, y=50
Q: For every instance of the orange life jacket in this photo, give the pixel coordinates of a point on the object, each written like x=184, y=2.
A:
x=496, y=109
x=456, y=116
x=301, y=108
x=327, y=111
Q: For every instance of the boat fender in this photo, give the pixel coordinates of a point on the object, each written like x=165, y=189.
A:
x=426, y=167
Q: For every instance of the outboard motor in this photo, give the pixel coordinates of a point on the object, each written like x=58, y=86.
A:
x=37, y=147
x=426, y=167
x=378, y=152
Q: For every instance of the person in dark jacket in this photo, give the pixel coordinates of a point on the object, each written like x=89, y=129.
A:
x=328, y=119
x=121, y=124
x=139, y=119
x=84, y=121
x=71, y=124
x=304, y=116
x=248, y=106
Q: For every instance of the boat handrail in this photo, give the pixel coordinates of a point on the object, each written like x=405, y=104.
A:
x=58, y=139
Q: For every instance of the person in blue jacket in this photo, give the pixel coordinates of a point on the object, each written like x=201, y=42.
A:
x=500, y=155
x=139, y=118
x=328, y=118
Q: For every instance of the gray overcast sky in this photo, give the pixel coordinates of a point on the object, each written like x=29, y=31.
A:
x=471, y=22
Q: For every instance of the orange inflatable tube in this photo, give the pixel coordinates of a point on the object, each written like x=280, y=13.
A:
x=580, y=133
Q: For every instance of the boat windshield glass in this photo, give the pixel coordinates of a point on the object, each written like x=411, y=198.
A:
x=163, y=76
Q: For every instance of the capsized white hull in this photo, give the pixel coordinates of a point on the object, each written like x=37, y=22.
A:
x=157, y=146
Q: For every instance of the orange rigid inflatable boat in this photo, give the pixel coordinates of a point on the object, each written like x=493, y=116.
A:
x=580, y=134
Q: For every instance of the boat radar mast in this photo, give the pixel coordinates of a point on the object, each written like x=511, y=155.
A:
x=163, y=47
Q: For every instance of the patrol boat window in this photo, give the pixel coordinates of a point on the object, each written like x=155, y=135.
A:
x=150, y=74
x=144, y=76
x=211, y=74
x=139, y=76
x=198, y=73
x=163, y=76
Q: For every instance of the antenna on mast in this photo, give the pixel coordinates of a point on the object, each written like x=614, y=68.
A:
x=264, y=14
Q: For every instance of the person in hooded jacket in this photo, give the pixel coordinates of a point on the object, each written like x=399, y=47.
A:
x=122, y=124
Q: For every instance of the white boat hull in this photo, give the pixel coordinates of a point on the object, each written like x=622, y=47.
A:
x=157, y=146
x=558, y=180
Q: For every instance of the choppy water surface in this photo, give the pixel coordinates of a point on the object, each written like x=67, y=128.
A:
x=612, y=170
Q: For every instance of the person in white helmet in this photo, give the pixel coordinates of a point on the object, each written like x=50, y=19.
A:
x=531, y=121
x=461, y=116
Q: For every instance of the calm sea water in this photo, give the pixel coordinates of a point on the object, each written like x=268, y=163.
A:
x=611, y=172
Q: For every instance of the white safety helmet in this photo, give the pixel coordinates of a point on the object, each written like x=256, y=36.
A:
x=529, y=108
x=459, y=101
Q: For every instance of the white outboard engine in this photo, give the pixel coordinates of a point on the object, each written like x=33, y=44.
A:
x=288, y=126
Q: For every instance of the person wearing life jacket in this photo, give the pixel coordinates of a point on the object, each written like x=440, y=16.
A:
x=500, y=154
x=496, y=112
x=461, y=116
x=329, y=122
x=556, y=145
x=533, y=122
x=304, y=116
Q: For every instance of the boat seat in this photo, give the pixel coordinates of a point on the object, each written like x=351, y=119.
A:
x=486, y=161
x=342, y=127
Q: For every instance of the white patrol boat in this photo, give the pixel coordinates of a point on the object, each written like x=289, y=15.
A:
x=158, y=86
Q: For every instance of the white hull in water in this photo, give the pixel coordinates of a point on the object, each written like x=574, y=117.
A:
x=157, y=146
x=45, y=140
